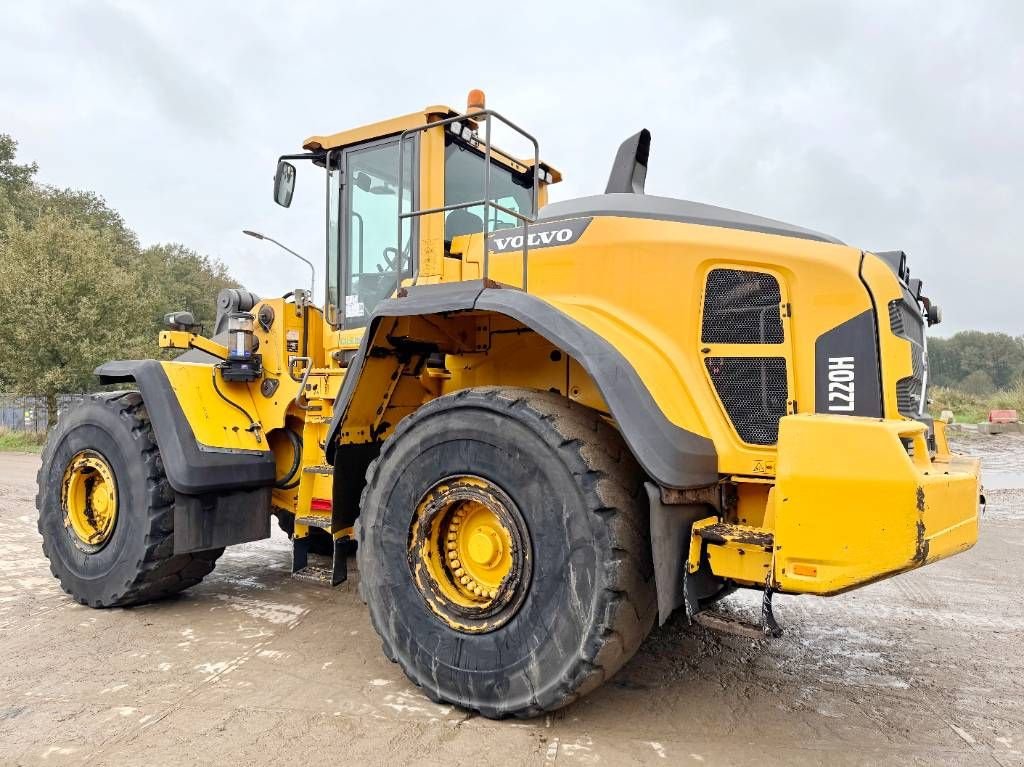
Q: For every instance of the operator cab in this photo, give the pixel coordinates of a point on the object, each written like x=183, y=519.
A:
x=406, y=194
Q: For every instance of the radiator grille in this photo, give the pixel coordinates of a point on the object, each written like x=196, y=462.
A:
x=754, y=393
x=741, y=307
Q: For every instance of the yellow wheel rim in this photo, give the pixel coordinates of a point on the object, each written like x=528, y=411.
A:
x=469, y=553
x=89, y=496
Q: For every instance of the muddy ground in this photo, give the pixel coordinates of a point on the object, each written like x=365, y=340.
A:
x=253, y=668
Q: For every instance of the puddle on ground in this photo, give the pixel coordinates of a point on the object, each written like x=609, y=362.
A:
x=1001, y=480
x=1002, y=456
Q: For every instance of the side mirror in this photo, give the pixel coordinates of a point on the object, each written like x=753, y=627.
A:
x=284, y=183
x=181, y=321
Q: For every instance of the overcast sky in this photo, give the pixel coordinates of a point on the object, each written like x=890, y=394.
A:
x=889, y=125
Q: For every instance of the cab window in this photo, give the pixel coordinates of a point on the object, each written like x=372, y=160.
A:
x=464, y=182
x=372, y=257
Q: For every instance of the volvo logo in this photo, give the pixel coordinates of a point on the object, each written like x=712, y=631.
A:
x=539, y=236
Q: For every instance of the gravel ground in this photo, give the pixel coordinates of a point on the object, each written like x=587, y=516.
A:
x=253, y=667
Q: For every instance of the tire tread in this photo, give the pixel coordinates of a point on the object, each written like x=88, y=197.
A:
x=612, y=484
x=160, y=573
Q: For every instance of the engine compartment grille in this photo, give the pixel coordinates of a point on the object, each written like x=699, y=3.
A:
x=754, y=392
x=741, y=307
x=910, y=390
x=905, y=321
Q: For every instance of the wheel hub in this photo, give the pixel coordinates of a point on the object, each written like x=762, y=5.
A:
x=469, y=553
x=89, y=499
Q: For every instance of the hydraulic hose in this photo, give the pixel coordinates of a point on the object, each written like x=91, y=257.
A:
x=285, y=483
x=254, y=427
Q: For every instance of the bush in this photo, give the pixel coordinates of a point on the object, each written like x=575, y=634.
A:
x=22, y=441
x=973, y=408
x=979, y=383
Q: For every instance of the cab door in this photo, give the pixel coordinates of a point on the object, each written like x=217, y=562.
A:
x=371, y=261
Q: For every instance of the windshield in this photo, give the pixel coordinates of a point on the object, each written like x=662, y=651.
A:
x=464, y=182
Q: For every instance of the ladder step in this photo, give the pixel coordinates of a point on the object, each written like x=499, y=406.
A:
x=729, y=625
x=317, y=569
x=723, y=533
x=324, y=523
x=318, y=575
x=325, y=470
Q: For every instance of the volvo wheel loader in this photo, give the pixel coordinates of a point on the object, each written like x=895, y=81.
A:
x=543, y=427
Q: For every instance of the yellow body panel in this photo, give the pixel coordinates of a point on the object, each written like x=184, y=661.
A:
x=839, y=499
x=893, y=352
x=215, y=423
x=852, y=506
x=377, y=129
x=638, y=284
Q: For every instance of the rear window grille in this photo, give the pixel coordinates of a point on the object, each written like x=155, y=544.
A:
x=754, y=393
x=741, y=307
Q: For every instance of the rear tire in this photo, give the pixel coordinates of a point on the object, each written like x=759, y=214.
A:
x=589, y=596
x=136, y=561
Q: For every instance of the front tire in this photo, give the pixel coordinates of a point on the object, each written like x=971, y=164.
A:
x=106, y=511
x=556, y=503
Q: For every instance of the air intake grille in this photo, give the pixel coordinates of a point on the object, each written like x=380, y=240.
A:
x=741, y=307
x=910, y=390
x=906, y=322
x=754, y=393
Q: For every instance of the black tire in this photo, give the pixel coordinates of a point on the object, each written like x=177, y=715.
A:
x=137, y=563
x=591, y=598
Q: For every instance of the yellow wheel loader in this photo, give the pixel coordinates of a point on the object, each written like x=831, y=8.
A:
x=543, y=427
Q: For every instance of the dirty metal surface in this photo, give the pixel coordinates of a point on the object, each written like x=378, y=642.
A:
x=254, y=667
x=722, y=532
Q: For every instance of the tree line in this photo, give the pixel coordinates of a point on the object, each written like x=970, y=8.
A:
x=77, y=288
x=975, y=362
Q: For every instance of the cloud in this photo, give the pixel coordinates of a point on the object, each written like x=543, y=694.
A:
x=888, y=124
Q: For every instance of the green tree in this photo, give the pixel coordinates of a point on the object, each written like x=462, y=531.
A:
x=943, y=362
x=978, y=383
x=88, y=209
x=76, y=289
x=183, y=280
x=15, y=184
x=65, y=307
x=998, y=355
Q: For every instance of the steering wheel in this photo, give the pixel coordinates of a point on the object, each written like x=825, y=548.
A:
x=398, y=261
x=389, y=261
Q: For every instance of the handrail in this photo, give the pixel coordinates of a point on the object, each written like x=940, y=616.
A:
x=487, y=115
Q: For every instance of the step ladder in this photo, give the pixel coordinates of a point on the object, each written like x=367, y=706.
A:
x=754, y=542
x=313, y=567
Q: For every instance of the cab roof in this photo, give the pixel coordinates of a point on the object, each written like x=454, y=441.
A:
x=382, y=128
x=397, y=125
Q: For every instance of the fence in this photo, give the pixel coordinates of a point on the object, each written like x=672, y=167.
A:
x=29, y=414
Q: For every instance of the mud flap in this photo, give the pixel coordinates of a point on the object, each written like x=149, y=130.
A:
x=670, y=544
x=216, y=520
